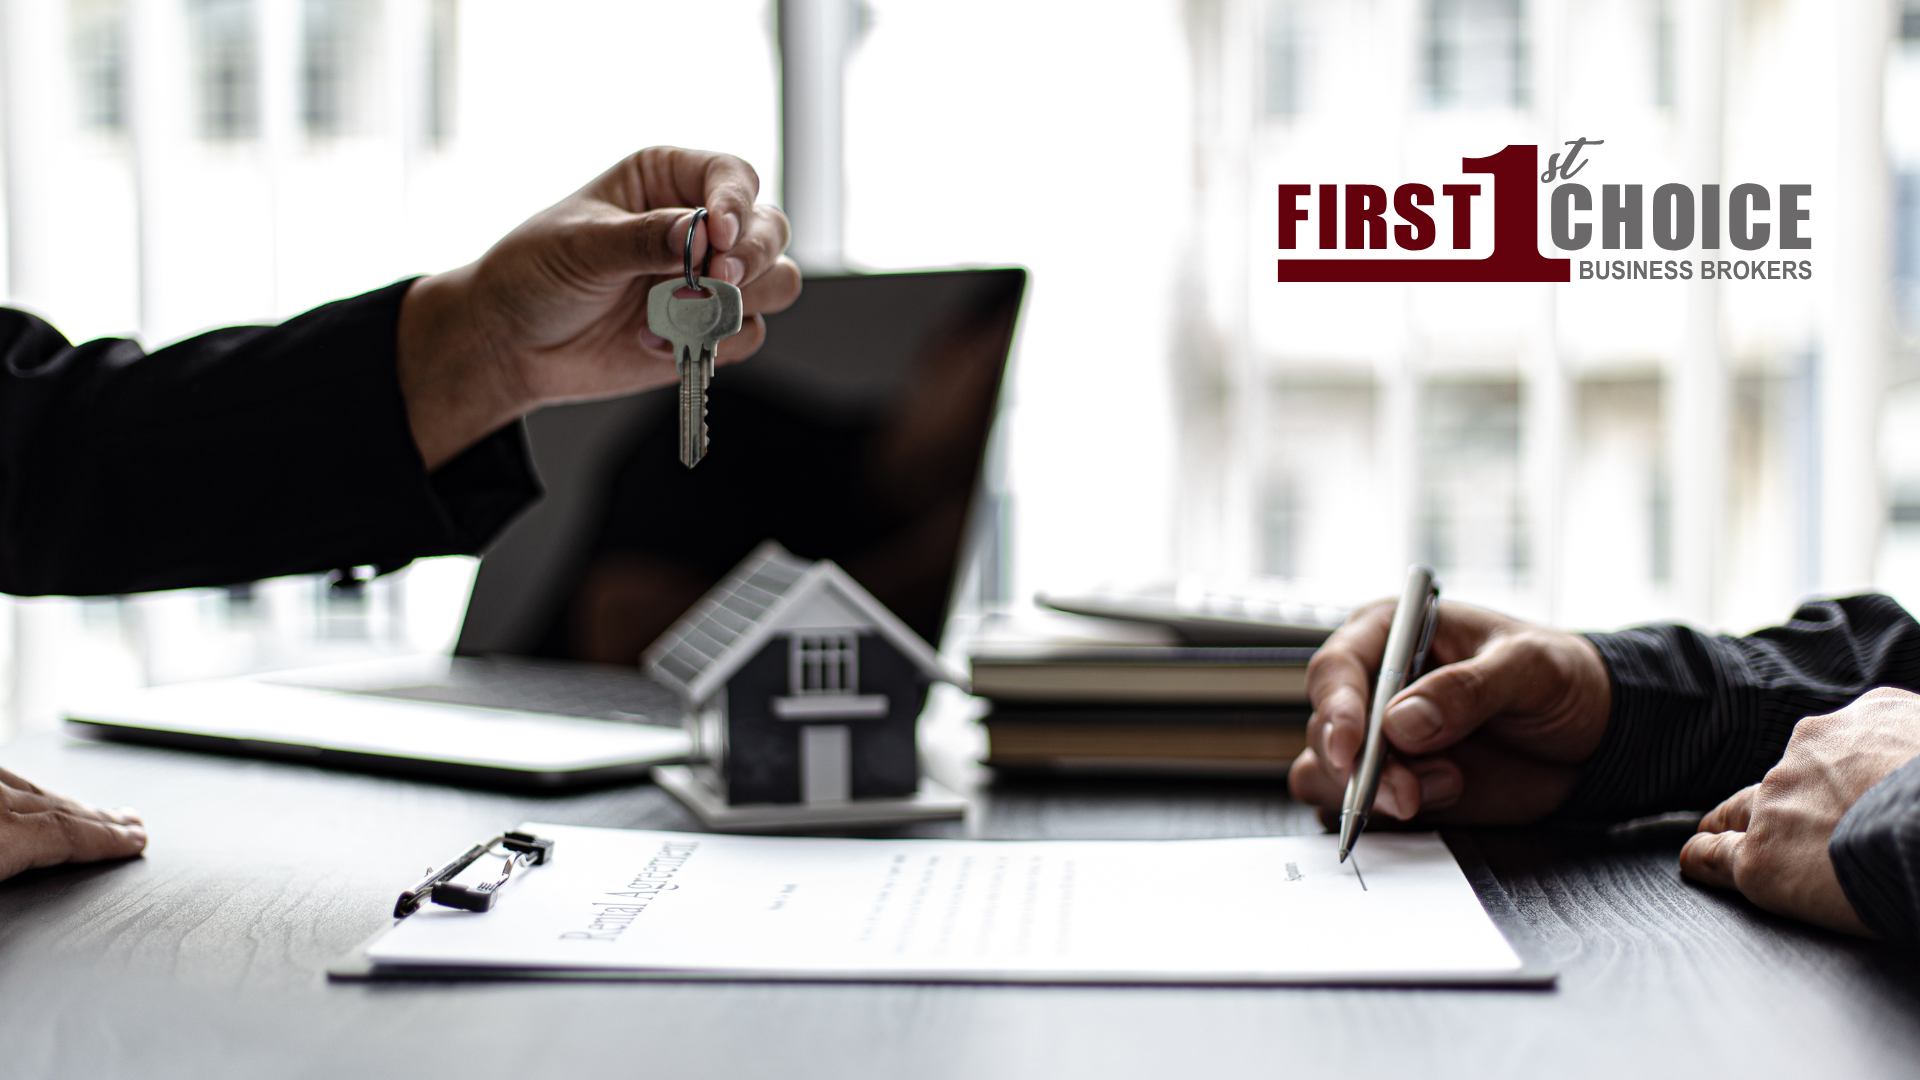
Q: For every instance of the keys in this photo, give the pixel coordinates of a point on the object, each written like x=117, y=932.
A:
x=694, y=326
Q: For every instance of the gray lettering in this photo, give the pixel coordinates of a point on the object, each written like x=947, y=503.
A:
x=1673, y=216
x=1745, y=199
x=1616, y=214
x=1575, y=197
x=1791, y=215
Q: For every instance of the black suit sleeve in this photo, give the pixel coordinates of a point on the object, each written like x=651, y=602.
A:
x=1696, y=717
x=1876, y=855
x=236, y=455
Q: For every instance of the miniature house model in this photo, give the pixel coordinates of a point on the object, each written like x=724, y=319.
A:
x=801, y=688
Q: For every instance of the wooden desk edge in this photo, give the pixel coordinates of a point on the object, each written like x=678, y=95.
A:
x=1537, y=967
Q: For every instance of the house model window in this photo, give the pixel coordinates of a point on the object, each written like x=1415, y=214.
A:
x=823, y=680
x=824, y=663
x=800, y=686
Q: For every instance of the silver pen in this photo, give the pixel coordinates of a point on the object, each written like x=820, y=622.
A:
x=1407, y=644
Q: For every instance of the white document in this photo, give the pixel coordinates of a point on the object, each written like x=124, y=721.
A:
x=1261, y=910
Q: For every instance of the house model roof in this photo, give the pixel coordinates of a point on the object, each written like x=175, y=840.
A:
x=771, y=591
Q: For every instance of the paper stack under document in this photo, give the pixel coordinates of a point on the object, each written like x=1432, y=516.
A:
x=681, y=905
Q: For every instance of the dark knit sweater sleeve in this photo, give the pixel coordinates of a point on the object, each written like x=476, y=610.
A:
x=1698, y=716
x=239, y=454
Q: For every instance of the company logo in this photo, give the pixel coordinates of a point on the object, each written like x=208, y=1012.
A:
x=1363, y=219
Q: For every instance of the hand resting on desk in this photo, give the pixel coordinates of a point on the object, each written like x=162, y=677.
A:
x=1770, y=840
x=39, y=828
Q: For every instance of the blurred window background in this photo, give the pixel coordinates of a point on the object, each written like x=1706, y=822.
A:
x=226, y=86
x=100, y=64
x=1475, y=54
x=1592, y=455
x=336, y=41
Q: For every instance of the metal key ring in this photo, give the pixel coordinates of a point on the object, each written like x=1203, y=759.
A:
x=692, y=224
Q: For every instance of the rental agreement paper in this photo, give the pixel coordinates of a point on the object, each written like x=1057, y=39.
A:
x=1256, y=910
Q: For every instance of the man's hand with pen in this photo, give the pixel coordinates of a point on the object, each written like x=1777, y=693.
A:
x=1494, y=733
x=1498, y=729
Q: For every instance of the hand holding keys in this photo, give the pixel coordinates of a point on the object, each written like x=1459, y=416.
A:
x=694, y=326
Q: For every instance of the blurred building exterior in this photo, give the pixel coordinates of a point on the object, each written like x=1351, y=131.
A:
x=1586, y=453
x=1590, y=455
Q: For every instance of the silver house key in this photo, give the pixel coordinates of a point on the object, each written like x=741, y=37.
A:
x=694, y=326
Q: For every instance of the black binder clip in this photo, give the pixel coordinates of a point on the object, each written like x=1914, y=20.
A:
x=514, y=848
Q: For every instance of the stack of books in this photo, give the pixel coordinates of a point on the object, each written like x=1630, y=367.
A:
x=1113, y=699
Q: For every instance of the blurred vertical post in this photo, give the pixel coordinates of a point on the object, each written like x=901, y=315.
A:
x=145, y=121
x=32, y=68
x=1697, y=392
x=1227, y=85
x=1199, y=349
x=1394, y=95
x=816, y=37
x=29, y=65
x=160, y=119
x=1858, y=329
x=407, y=34
x=1547, y=429
x=279, y=41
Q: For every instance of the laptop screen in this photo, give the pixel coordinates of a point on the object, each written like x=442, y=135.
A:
x=857, y=434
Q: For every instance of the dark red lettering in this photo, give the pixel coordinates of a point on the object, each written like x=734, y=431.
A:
x=1415, y=233
x=1366, y=216
x=1290, y=213
x=1462, y=196
x=1516, y=226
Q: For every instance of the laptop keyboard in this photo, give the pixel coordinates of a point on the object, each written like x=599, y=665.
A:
x=603, y=693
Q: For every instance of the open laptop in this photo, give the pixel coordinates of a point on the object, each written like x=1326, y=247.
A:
x=858, y=434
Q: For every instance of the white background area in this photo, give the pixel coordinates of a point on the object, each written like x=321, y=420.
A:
x=1582, y=454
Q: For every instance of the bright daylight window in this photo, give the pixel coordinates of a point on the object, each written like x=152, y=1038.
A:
x=1475, y=54
x=226, y=66
x=1592, y=457
x=336, y=41
x=99, y=29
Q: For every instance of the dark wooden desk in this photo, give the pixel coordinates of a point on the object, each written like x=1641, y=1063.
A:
x=206, y=959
